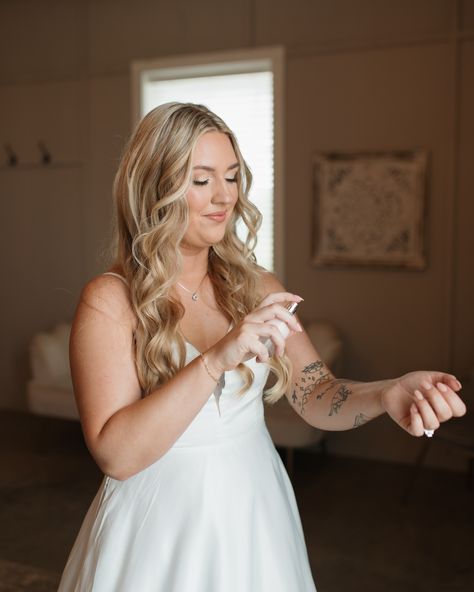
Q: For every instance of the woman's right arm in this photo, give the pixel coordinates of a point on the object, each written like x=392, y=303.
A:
x=124, y=432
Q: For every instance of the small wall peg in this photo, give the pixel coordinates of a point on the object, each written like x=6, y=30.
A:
x=45, y=154
x=12, y=158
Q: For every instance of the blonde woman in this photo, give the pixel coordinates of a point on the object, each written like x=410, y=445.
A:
x=169, y=364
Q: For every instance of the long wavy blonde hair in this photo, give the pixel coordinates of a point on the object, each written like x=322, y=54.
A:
x=150, y=188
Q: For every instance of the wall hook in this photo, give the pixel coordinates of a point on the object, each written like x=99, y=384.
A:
x=45, y=154
x=12, y=157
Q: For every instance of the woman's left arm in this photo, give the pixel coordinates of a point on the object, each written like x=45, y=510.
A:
x=415, y=401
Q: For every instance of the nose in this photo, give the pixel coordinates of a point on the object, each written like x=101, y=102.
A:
x=224, y=192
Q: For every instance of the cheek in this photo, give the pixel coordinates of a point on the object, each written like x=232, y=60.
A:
x=197, y=201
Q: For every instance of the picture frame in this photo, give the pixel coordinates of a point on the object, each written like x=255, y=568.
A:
x=370, y=209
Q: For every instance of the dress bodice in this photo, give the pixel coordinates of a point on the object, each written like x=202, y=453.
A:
x=230, y=414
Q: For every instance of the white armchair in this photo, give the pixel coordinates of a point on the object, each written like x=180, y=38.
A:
x=49, y=391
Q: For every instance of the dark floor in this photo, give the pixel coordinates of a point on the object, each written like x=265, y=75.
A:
x=360, y=536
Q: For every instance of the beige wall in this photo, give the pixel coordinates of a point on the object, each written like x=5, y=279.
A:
x=361, y=75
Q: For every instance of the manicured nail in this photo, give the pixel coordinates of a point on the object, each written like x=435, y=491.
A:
x=442, y=387
x=418, y=395
x=426, y=385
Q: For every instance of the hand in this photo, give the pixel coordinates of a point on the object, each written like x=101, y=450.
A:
x=246, y=339
x=421, y=401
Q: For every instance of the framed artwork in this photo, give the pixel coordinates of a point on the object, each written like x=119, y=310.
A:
x=370, y=209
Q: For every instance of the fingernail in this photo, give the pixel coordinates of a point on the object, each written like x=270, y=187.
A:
x=300, y=328
x=418, y=395
x=459, y=384
x=426, y=385
x=442, y=387
x=299, y=298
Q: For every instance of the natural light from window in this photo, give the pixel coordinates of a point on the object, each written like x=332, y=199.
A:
x=245, y=102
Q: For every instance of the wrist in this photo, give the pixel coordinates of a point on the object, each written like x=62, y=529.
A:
x=386, y=387
x=213, y=367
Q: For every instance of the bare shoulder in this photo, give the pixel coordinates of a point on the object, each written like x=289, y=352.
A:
x=270, y=283
x=108, y=296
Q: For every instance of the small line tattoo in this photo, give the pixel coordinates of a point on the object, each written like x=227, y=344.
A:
x=331, y=385
x=360, y=419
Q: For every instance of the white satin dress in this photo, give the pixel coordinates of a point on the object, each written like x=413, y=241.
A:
x=216, y=513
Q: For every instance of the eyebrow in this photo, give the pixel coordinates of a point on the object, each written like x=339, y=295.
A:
x=212, y=170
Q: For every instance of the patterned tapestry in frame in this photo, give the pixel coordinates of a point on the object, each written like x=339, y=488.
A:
x=370, y=209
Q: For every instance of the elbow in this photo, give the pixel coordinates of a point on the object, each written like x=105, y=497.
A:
x=114, y=472
x=119, y=468
x=108, y=462
x=112, y=466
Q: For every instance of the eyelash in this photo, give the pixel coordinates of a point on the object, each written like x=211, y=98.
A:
x=200, y=183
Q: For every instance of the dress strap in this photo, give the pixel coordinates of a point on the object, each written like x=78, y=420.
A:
x=117, y=275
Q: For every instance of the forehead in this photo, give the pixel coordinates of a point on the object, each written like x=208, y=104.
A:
x=214, y=149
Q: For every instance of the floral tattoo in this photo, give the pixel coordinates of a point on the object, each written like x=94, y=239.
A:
x=312, y=376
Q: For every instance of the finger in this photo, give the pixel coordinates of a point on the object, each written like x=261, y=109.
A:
x=456, y=404
x=428, y=416
x=275, y=311
x=438, y=403
x=449, y=379
x=254, y=338
x=452, y=382
x=268, y=331
x=274, y=297
x=262, y=352
x=416, y=423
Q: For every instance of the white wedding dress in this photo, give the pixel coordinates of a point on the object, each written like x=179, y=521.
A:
x=216, y=513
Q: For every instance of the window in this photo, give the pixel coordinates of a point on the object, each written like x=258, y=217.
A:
x=244, y=89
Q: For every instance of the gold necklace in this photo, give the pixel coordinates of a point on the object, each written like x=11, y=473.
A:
x=194, y=295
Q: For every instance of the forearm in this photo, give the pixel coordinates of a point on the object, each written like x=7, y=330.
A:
x=335, y=404
x=139, y=434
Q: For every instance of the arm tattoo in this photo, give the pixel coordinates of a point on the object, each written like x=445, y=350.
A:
x=331, y=385
x=313, y=375
x=339, y=398
x=360, y=419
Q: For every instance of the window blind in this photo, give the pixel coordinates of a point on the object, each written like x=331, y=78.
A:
x=244, y=101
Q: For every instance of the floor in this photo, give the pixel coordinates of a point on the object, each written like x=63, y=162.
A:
x=360, y=536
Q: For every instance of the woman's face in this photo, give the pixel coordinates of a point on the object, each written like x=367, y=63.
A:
x=213, y=191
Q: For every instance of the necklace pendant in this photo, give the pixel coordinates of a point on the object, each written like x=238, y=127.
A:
x=194, y=296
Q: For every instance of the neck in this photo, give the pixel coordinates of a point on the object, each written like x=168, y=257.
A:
x=194, y=265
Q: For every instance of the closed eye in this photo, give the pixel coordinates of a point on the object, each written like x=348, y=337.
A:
x=206, y=181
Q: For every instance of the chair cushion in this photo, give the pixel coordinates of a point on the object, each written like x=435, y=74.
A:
x=49, y=355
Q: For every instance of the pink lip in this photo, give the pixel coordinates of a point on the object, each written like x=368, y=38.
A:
x=217, y=216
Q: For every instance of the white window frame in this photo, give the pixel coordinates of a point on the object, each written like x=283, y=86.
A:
x=229, y=62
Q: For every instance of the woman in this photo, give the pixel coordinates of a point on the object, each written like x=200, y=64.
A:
x=169, y=362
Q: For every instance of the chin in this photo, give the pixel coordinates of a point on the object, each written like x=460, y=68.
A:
x=201, y=244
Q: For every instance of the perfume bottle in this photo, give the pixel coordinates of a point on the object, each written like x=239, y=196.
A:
x=281, y=326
